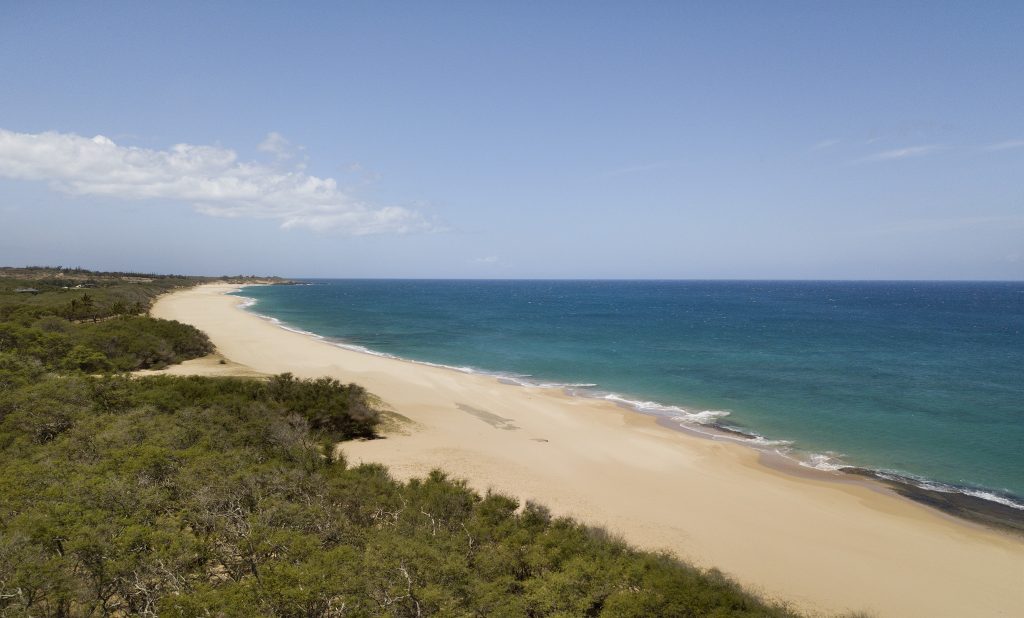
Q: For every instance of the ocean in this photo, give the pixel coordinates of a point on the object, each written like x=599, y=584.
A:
x=921, y=382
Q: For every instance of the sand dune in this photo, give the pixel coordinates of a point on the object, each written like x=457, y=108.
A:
x=822, y=541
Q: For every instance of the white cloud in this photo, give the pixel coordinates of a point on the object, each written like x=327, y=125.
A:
x=490, y=259
x=903, y=153
x=277, y=145
x=209, y=177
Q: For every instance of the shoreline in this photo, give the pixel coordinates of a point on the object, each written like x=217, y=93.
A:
x=958, y=505
x=964, y=502
x=711, y=502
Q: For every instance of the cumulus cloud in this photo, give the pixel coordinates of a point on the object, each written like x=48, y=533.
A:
x=211, y=178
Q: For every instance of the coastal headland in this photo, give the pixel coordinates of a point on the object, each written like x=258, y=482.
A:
x=825, y=542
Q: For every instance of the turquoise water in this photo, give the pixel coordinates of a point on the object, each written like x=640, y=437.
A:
x=923, y=380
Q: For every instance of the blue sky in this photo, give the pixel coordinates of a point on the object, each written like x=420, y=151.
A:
x=556, y=139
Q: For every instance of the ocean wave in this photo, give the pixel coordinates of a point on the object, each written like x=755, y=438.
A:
x=988, y=495
x=280, y=324
x=750, y=438
x=524, y=380
x=827, y=462
x=766, y=442
x=677, y=413
x=930, y=485
x=706, y=422
x=655, y=407
x=832, y=462
x=361, y=349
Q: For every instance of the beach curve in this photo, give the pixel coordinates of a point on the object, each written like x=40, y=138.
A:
x=822, y=542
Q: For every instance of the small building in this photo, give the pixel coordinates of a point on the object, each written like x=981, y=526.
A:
x=26, y=290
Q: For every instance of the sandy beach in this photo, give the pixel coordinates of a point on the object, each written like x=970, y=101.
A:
x=824, y=542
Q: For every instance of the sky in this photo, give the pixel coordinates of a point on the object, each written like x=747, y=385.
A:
x=665, y=140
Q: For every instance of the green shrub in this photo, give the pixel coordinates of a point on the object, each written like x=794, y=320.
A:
x=143, y=343
x=82, y=358
x=203, y=496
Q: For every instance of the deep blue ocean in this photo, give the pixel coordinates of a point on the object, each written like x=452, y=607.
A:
x=921, y=379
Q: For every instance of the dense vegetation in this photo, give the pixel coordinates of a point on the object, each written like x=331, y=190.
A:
x=171, y=496
x=93, y=322
x=26, y=294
